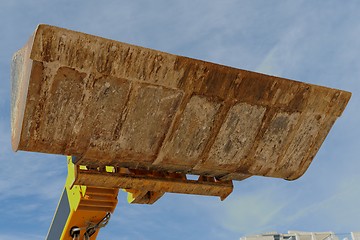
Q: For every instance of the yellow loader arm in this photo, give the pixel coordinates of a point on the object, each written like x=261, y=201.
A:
x=82, y=210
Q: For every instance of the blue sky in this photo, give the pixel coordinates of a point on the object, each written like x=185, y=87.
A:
x=311, y=41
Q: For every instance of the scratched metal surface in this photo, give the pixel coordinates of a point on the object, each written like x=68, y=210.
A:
x=112, y=103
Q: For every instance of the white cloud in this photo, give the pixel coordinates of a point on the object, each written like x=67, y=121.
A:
x=283, y=55
x=28, y=174
x=330, y=204
x=253, y=213
x=339, y=211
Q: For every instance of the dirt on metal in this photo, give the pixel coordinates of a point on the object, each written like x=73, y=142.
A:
x=112, y=103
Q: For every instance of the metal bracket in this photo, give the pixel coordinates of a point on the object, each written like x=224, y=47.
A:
x=147, y=186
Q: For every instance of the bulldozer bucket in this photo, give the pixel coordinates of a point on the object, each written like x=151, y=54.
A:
x=114, y=104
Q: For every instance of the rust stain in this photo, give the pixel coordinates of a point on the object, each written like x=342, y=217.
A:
x=113, y=103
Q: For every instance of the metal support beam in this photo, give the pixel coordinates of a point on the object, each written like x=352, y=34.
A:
x=144, y=184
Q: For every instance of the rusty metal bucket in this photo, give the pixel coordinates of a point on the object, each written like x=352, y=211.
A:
x=111, y=103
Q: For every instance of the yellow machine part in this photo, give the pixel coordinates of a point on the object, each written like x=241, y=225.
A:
x=77, y=218
x=86, y=207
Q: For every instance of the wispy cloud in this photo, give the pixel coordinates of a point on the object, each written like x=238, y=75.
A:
x=27, y=174
x=254, y=213
x=282, y=56
x=339, y=211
